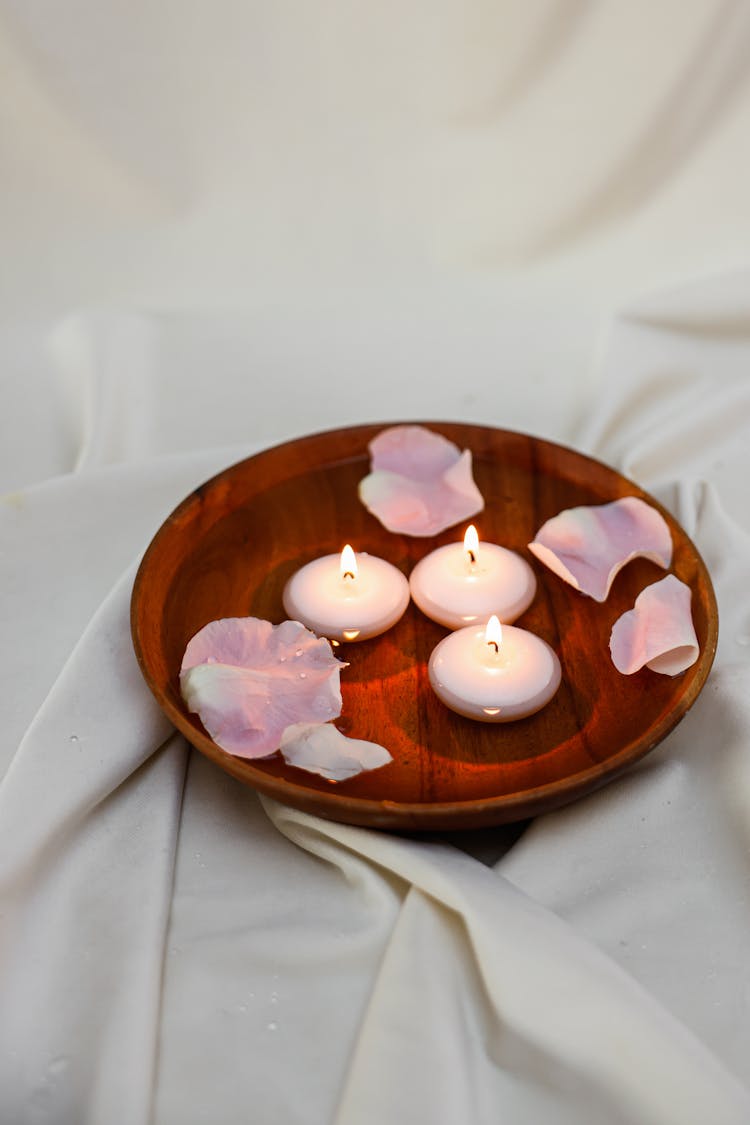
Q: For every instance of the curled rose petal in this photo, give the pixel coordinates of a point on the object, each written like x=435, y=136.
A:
x=588, y=546
x=420, y=482
x=248, y=680
x=658, y=632
x=321, y=748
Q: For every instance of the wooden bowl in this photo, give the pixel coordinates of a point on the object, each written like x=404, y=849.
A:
x=230, y=547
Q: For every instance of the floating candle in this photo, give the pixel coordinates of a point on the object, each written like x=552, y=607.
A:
x=347, y=597
x=459, y=585
x=494, y=673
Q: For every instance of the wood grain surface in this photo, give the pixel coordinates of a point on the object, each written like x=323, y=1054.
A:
x=230, y=547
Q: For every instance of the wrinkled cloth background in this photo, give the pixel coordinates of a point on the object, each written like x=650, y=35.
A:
x=226, y=225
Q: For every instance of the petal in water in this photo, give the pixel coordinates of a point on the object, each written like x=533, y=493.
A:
x=321, y=748
x=413, y=452
x=420, y=482
x=248, y=680
x=588, y=546
x=658, y=632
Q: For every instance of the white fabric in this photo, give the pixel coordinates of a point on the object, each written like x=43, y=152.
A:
x=227, y=225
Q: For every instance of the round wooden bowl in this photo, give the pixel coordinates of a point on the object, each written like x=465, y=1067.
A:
x=229, y=548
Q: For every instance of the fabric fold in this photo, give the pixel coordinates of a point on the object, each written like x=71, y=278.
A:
x=556, y=1013
x=89, y=813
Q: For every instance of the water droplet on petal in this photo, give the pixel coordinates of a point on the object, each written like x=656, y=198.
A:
x=303, y=675
x=272, y=1026
x=298, y=652
x=73, y=738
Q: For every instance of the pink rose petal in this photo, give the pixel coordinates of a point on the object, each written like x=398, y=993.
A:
x=588, y=546
x=249, y=680
x=658, y=632
x=413, y=452
x=420, y=482
x=321, y=748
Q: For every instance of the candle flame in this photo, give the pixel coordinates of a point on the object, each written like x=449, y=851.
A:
x=493, y=634
x=348, y=563
x=471, y=543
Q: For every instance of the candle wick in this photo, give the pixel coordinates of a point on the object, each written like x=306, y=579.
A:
x=472, y=556
x=348, y=574
x=494, y=645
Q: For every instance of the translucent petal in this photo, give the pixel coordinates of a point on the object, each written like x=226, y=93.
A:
x=420, y=482
x=587, y=546
x=658, y=632
x=248, y=680
x=322, y=749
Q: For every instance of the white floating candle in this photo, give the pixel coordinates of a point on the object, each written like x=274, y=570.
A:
x=347, y=597
x=460, y=584
x=494, y=673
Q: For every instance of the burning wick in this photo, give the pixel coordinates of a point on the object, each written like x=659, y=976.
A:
x=471, y=543
x=348, y=563
x=494, y=633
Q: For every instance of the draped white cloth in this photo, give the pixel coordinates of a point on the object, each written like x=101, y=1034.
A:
x=227, y=225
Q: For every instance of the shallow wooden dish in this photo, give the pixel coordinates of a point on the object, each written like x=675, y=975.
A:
x=231, y=545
